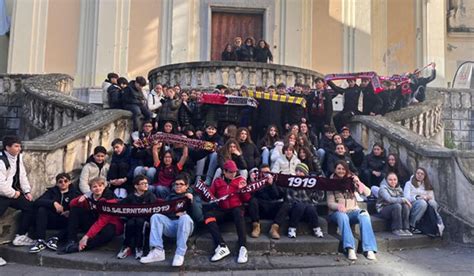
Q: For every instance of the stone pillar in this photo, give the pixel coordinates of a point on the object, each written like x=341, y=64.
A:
x=28, y=37
x=436, y=39
x=379, y=36
x=185, y=40
x=103, y=41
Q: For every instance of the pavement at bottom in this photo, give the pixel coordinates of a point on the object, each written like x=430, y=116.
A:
x=453, y=259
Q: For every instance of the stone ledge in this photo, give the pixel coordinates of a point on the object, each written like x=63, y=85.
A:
x=61, y=137
x=433, y=99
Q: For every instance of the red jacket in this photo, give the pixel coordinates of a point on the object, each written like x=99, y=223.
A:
x=103, y=219
x=220, y=188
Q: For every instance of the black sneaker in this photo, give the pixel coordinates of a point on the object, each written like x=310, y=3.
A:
x=71, y=247
x=52, y=243
x=38, y=246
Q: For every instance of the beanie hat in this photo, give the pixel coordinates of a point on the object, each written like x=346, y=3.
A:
x=302, y=167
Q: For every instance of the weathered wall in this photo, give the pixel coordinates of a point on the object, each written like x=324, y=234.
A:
x=458, y=116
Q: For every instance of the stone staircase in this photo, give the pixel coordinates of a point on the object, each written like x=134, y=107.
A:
x=200, y=248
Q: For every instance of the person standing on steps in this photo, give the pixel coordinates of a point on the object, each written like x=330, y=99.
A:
x=15, y=189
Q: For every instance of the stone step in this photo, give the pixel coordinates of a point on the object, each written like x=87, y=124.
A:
x=378, y=225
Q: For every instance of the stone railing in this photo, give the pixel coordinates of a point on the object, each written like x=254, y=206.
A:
x=67, y=149
x=48, y=106
x=424, y=118
x=450, y=171
x=208, y=74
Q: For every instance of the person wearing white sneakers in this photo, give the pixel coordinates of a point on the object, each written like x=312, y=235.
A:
x=303, y=204
x=231, y=207
x=15, y=188
x=179, y=226
x=344, y=211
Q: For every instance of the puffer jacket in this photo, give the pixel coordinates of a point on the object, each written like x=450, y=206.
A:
x=185, y=115
x=388, y=195
x=222, y=187
x=374, y=163
x=169, y=110
x=132, y=96
x=89, y=171
x=285, y=166
x=53, y=195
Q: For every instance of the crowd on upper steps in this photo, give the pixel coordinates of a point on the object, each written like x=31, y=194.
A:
x=185, y=142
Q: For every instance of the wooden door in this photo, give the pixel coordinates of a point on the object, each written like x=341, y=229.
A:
x=226, y=26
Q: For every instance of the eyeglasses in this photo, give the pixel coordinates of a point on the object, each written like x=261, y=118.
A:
x=63, y=181
x=179, y=184
x=142, y=183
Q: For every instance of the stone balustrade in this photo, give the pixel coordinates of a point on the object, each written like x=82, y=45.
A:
x=424, y=118
x=67, y=149
x=450, y=171
x=48, y=106
x=206, y=75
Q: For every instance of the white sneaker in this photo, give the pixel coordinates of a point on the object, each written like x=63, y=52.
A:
x=178, y=260
x=23, y=240
x=124, y=252
x=351, y=254
x=371, y=255
x=318, y=232
x=2, y=262
x=138, y=253
x=220, y=253
x=155, y=255
x=441, y=229
x=292, y=232
x=243, y=255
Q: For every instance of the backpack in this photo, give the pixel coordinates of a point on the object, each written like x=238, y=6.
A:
x=428, y=224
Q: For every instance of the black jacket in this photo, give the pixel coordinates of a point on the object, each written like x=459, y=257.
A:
x=351, y=96
x=169, y=110
x=223, y=113
x=114, y=93
x=333, y=158
x=132, y=198
x=374, y=163
x=251, y=155
x=270, y=193
x=239, y=161
x=54, y=195
x=228, y=56
x=352, y=145
x=172, y=196
x=293, y=112
x=198, y=114
x=262, y=55
x=246, y=53
x=312, y=105
x=372, y=102
x=132, y=96
x=143, y=156
x=418, y=86
x=185, y=115
x=270, y=112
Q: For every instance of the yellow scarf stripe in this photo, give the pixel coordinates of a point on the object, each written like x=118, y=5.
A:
x=275, y=97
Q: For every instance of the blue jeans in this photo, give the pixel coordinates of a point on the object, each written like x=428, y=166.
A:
x=211, y=168
x=344, y=221
x=160, y=191
x=180, y=229
x=149, y=173
x=266, y=155
x=138, y=110
x=418, y=209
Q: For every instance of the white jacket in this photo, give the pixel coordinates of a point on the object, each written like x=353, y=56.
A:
x=283, y=166
x=410, y=192
x=6, y=177
x=89, y=171
x=154, y=101
x=105, y=96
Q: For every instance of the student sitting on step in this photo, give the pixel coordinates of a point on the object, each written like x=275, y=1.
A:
x=95, y=167
x=135, y=226
x=268, y=203
x=178, y=225
x=119, y=170
x=52, y=212
x=303, y=205
x=392, y=205
x=101, y=228
x=344, y=211
x=229, y=208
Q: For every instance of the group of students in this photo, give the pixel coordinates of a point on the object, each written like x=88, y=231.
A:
x=248, y=51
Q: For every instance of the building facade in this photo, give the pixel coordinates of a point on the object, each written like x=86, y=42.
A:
x=89, y=38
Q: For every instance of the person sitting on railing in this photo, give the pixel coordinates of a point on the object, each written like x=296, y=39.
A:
x=351, y=102
x=134, y=101
x=262, y=52
x=115, y=92
x=319, y=107
x=294, y=113
x=111, y=79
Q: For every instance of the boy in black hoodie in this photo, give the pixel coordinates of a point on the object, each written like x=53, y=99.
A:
x=134, y=101
x=52, y=212
x=119, y=169
x=134, y=227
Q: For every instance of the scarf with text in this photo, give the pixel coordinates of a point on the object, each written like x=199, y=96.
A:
x=227, y=100
x=143, y=210
x=284, y=181
x=399, y=80
x=177, y=139
x=374, y=78
x=275, y=97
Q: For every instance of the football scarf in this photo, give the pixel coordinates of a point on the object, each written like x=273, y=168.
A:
x=275, y=97
x=227, y=100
